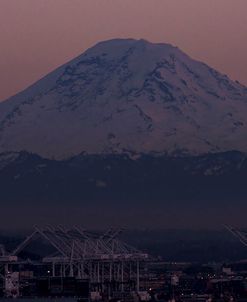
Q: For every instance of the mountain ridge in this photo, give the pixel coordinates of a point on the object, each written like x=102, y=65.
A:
x=118, y=178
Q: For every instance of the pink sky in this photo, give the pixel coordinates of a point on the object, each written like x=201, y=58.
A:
x=36, y=36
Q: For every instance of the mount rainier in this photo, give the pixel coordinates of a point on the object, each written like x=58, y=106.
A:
x=127, y=96
x=127, y=120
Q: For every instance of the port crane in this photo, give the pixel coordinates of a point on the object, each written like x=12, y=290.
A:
x=240, y=234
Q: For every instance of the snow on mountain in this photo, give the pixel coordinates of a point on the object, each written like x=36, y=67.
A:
x=127, y=96
x=7, y=158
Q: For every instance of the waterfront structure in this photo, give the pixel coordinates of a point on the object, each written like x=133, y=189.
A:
x=102, y=259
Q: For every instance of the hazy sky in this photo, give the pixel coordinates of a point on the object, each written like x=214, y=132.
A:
x=38, y=35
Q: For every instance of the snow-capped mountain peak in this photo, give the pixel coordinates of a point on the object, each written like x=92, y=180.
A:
x=127, y=96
